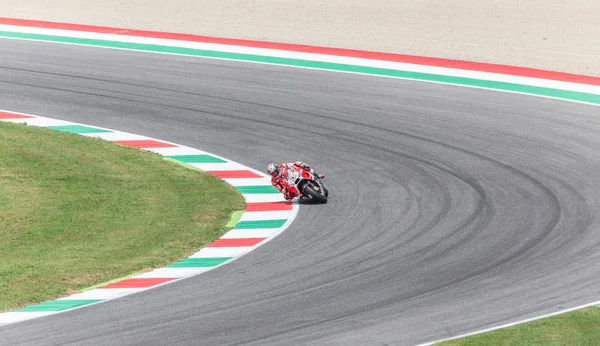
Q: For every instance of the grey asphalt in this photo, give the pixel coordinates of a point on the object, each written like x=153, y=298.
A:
x=452, y=209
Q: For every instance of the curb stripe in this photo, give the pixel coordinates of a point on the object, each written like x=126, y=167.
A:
x=250, y=233
x=224, y=252
x=142, y=144
x=56, y=305
x=411, y=59
x=268, y=197
x=104, y=294
x=110, y=282
x=200, y=262
x=175, y=272
x=137, y=283
x=200, y=158
x=260, y=224
x=78, y=129
x=235, y=242
x=235, y=174
x=7, y=115
x=268, y=206
x=257, y=189
x=260, y=215
x=248, y=181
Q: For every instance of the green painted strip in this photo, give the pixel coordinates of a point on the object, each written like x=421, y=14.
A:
x=57, y=305
x=235, y=218
x=110, y=282
x=182, y=164
x=254, y=189
x=561, y=94
x=260, y=224
x=77, y=129
x=204, y=158
x=199, y=262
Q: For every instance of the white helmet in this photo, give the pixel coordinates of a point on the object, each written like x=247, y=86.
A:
x=273, y=170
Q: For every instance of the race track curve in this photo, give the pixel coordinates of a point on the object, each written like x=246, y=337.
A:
x=453, y=209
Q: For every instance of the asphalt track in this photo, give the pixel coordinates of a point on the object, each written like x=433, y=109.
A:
x=452, y=209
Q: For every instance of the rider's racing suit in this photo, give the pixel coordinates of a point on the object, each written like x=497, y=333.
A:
x=280, y=181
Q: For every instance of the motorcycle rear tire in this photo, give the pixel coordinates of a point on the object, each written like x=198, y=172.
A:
x=309, y=190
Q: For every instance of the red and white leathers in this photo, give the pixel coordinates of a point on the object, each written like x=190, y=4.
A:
x=280, y=182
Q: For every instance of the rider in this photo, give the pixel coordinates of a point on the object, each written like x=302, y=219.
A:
x=279, y=174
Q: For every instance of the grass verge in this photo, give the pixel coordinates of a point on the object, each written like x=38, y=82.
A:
x=75, y=212
x=581, y=327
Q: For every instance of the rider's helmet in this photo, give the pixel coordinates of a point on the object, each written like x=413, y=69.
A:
x=273, y=170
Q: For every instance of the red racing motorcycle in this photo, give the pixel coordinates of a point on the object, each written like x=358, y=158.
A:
x=306, y=183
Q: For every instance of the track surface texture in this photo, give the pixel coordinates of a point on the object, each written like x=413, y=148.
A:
x=452, y=209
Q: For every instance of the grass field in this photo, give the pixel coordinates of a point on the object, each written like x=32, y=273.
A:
x=581, y=328
x=75, y=212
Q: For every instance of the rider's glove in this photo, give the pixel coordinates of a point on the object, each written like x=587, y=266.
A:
x=303, y=165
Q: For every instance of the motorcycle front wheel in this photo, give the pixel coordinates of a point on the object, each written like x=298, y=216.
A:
x=309, y=190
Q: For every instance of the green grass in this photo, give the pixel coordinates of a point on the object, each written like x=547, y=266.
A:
x=75, y=212
x=581, y=327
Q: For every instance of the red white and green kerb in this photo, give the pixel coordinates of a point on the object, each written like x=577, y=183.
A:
x=267, y=214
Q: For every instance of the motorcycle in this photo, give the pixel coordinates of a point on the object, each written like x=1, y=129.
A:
x=307, y=183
